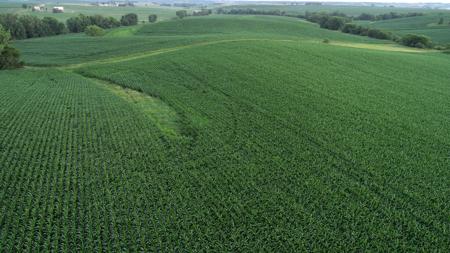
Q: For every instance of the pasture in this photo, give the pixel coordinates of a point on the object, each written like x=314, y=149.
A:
x=225, y=133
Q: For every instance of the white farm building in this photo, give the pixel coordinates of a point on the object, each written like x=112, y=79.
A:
x=58, y=9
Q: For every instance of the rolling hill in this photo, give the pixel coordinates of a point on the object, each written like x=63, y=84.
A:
x=425, y=25
x=235, y=133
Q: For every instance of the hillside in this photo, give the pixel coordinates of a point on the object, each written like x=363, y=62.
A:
x=425, y=25
x=78, y=48
x=225, y=133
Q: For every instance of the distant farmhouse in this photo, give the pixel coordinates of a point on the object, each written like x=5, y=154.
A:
x=58, y=9
x=38, y=8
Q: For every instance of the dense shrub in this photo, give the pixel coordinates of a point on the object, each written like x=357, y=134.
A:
x=419, y=41
x=129, y=19
x=10, y=58
x=181, y=13
x=352, y=29
x=365, y=16
x=333, y=21
x=5, y=37
x=152, y=18
x=378, y=34
x=94, y=31
x=202, y=12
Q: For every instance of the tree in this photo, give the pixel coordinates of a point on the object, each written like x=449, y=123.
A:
x=419, y=41
x=54, y=26
x=34, y=27
x=79, y=24
x=333, y=23
x=181, y=14
x=378, y=34
x=5, y=37
x=24, y=6
x=12, y=24
x=441, y=21
x=366, y=16
x=351, y=28
x=129, y=19
x=94, y=31
x=9, y=57
x=152, y=18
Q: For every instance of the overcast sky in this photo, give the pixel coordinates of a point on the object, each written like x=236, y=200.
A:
x=375, y=1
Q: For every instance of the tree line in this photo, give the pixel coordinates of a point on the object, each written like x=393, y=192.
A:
x=250, y=11
x=339, y=21
x=386, y=16
x=28, y=26
x=203, y=12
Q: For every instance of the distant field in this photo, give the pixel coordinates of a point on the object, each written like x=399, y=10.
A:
x=60, y=50
x=349, y=10
x=225, y=134
x=425, y=25
x=72, y=10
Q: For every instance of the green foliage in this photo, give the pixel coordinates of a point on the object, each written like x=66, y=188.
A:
x=152, y=18
x=5, y=37
x=129, y=19
x=27, y=26
x=181, y=14
x=355, y=29
x=441, y=21
x=378, y=34
x=423, y=25
x=247, y=11
x=11, y=23
x=94, y=31
x=54, y=26
x=386, y=16
x=10, y=58
x=419, y=41
x=331, y=21
x=80, y=23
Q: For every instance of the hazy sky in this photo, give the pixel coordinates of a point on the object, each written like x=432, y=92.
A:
x=376, y=1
